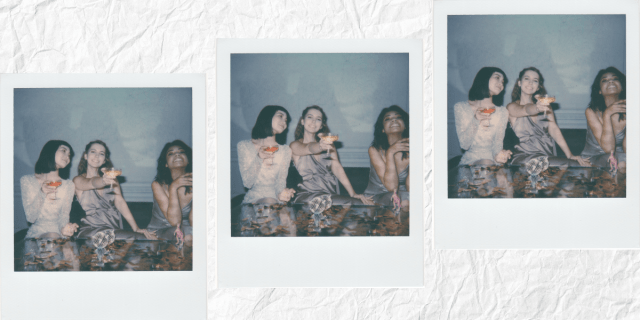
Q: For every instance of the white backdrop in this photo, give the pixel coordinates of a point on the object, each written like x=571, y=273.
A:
x=179, y=37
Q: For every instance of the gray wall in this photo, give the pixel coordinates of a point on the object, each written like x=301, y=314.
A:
x=352, y=88
x=568, y=49
x=134, y=122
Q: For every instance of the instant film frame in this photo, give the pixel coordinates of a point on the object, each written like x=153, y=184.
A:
x=314, y=261
x=532, y=223
x=77, y=294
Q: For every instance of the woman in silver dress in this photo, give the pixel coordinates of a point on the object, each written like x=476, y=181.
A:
x=104, y=208
x=389, y=158
x=172, y=193
x=534, y=123
x=320, y=171
x=606, y=119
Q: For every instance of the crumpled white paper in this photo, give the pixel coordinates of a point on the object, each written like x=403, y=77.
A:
x=180, y=37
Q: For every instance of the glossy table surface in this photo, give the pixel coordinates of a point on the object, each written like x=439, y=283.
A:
x=81, y=255
x=297, y=220
x=514, y=182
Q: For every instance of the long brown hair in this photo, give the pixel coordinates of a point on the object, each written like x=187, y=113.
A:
x=517, y=91
x=299, y=133
x=82, y=166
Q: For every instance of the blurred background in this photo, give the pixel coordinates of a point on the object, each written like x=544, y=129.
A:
x=567, y=49
x=135, y=123
x=352, y=89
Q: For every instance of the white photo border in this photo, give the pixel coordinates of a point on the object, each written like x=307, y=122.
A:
x=534, y=223
x=125, y=295
x=319, y=261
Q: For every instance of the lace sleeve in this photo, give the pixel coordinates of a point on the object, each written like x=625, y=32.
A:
x=281, y=183
x=501, y=127
x=66, y=197
x=32, y=197
x=250, y=163
x=466, y=124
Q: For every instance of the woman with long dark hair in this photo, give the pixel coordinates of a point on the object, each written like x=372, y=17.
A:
x=172, y=192
x=534, y=123
x=47, y=195
x=606, y=119
x=481, y=121
x=320, y=173
x=265, y=159
x=104, y=207
x=389, y=157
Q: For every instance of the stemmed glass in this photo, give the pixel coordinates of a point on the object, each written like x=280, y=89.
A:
x=112, y=173
x=490, y=110
x=546, y=99
x=328, y=138
x=54, y=184
x=270, y=150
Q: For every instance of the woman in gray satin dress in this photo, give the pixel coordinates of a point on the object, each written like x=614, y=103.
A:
x=389, y=156
x=104, y=210
x=606, y=119
x=172, y=194
x=538, y=137
x=320, y=171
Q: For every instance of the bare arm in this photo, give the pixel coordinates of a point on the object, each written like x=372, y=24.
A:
x=168, y=202
x=338, y=170
x=408, y=182
x=191, y=217
x=299, y=148
x=123, y=208
x=602, y=130
x=83, y=183
x=517, y=110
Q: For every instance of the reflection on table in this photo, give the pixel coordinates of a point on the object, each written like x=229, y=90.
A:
x=297, y=220
x=81, y=255
x=514, y=182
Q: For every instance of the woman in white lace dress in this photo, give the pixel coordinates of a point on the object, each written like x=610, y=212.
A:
x=45, y=206
x=265, y=159
x=481, y=133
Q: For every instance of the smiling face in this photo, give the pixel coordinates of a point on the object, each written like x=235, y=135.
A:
x=393, y=123
x=530, y=82
x=496, y=83
x=312, y=121
x=610, y=84
x=176, y=158
x=63, y=156
x=279, y=122
x=96, y=155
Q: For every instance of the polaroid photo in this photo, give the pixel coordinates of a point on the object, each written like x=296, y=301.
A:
x=106, y=174
x=530, y=125
x=313, y=163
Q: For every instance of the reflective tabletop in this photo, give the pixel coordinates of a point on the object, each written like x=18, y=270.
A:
x=515, y=182
x=81, y=255
x=298, y=220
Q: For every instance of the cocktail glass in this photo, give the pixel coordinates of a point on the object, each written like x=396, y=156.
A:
x=54, y=184
x=112, y=173
x=487, y=123
x=270, y=150
x=329, y=138
x=548, y=100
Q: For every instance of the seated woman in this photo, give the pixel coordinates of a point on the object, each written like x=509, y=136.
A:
x=104, y=208
x=389, y=158
x=172, y=196
x=265, y=159
x=479, y=123
x=320, y=172
x=47, y=195
x=534, y=123
x=606, y=121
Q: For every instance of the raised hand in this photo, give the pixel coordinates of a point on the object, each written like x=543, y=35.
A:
x=185, y=180
x=401, y=145
x=619, y=106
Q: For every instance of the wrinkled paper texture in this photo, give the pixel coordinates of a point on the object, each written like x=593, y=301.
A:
x=180, y=37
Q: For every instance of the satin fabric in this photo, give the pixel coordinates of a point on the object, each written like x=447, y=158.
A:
x=380, y=193
x=535, y=141
x=596, y=155
x=164, y=230
x=317, y=180
x=102, y=215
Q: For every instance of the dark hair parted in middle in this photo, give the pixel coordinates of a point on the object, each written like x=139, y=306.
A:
x=380, y=140
x=517, y=91
x=597, y=99
x=299, y=133
x=163, y=174
x=82, y=166
x=480, y=87
x=263, y=127
x=47, y=160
